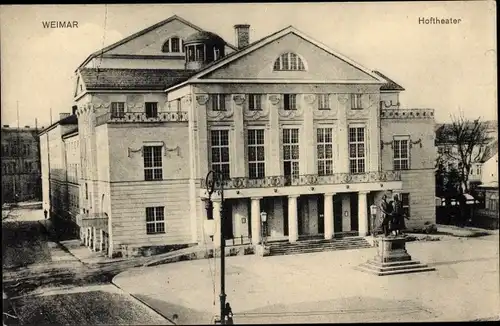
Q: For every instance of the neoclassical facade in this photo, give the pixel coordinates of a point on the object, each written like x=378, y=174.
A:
x=296, y=130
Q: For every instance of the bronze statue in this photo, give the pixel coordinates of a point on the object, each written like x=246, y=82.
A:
x=386, y=209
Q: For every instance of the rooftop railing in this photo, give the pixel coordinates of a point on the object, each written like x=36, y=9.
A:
x=134, y=117
x=309, y=180
x=407, y=113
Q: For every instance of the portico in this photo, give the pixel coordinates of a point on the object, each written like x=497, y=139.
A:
x=292, y=216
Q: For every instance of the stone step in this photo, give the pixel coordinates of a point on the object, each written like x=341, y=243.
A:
x=391, y=264
x=393, y=268
x=408, y=269
x=309, y=244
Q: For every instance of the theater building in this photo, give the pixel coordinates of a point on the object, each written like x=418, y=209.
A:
x=298, y=131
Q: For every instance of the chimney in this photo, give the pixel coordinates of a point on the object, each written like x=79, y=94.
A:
x=242, y=35
x=63, y=115
x=26, y=126
x=73, y=109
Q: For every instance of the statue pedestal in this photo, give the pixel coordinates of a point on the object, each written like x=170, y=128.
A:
x=392, y=258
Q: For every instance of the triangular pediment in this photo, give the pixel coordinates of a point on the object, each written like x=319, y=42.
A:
x=150, y=41
x=320, y=63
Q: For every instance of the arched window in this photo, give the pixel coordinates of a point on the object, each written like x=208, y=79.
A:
x=173, y=45
x=289, y=61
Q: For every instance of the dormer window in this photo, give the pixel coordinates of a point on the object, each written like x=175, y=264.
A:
x=173, y=45
x=289, y=61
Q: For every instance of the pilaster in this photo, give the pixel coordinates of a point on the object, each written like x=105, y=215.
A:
x=273, y=157
x=239, y=166
x=342, y=134
x=307, y=138
x=200, y=111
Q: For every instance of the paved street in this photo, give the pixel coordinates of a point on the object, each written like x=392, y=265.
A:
x=48, y=285
x=324, y=287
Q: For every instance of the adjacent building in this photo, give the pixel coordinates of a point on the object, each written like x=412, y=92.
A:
x=60, y=162
x=296, y=129
x=21, y=177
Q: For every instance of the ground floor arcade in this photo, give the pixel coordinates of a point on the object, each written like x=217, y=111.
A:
x=295, y=216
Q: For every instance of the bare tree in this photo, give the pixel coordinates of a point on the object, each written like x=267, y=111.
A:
x=468, y=140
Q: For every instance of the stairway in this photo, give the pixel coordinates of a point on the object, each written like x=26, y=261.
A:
x=317, y=245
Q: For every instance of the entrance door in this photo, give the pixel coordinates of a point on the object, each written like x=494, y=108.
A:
x=353, y=197
x=285, y=215
x=337, y=213
x=228, y=219
x=321, y=214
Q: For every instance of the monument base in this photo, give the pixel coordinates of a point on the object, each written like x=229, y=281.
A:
x=392, y=258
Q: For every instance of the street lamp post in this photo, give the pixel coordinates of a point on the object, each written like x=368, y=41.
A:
x=213, y=178
x=263, y=218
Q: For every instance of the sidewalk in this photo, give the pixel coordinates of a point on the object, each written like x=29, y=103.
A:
x=466, y=231
x=324, y=287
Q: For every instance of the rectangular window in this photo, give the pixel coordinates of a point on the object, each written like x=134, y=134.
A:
x=155, y=220
x=218, y=102
x=254, y=102
x=405, y=202
x=216, y=54
x=175, y=46
x=151, y=109
x=153, y=169
x=291, y=153
x=256, y=157
x=117, y=109
x=324, y=145
x=356, y=102
x=357, y=149
x=290, y=101
x=200, y=53
x=86, y=191
x=324, y=101
x=401, y=148
x=220, y=152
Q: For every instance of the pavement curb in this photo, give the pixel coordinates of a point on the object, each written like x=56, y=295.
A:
x=144, y=303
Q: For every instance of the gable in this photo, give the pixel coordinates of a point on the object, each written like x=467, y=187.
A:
x=80, y=86
x=319, y=64
x=151, y=43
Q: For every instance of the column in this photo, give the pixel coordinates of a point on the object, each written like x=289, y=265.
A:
x=293, y=224
x=94, y=238
x=255, y=216
x=217, y=222
x=101, y=237
x=362, y=213
x=328, y=216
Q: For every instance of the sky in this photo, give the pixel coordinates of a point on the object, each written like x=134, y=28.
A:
x=450, y=68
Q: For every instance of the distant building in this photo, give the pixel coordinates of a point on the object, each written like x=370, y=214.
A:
x=21, y=177
x=445, y=145
x=297, y=130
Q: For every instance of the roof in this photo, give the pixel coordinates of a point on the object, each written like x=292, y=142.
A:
x=391, y=85
x=69, y=120
x=70, y=133
x=490, y=151
x=133, y=79
x=204, y=36
x=142, y=32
